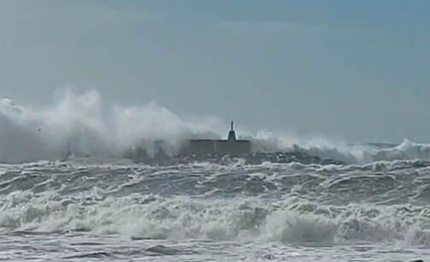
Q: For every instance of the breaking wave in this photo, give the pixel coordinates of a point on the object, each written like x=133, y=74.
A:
x=220, y=203
x=82, y=125
x=150, y=217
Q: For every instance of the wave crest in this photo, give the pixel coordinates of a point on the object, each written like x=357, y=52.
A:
x=152, y=217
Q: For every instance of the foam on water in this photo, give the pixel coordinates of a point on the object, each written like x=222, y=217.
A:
x=302, y=206
x=179, y=219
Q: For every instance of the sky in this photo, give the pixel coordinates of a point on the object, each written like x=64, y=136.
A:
x=351, y=69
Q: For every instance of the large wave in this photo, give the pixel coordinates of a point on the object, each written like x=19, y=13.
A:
x=178, y=218
x=82, y=125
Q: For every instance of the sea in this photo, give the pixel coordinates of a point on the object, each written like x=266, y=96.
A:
x=94, y=205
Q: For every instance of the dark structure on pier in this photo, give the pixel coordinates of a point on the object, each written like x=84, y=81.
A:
x=231, y=146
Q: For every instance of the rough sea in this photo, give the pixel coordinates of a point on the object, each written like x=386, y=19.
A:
x=97, y=207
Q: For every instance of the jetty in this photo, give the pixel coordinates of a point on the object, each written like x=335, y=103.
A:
x=209, y=147
x=217, y=151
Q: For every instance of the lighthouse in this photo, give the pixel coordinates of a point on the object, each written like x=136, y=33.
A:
x=231, y=134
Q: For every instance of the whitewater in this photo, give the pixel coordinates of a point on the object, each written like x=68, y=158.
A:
x=67, y=193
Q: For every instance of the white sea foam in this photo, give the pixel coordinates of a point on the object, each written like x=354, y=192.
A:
x=237, y=219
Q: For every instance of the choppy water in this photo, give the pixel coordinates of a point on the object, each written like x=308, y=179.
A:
x=82, y=211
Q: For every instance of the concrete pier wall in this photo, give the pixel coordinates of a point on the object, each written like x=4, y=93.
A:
x=220, y=147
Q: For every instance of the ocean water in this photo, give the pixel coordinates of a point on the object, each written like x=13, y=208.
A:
x=78, y=211
x=98, y=206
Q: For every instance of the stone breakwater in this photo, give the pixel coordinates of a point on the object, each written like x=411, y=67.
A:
x=253, y=158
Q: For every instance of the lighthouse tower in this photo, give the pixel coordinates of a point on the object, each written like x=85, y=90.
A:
x=231, y=134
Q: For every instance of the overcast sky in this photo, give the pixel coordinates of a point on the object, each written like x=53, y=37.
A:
x=355, y=69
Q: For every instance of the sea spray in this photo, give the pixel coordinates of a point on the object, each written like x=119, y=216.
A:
x=81, y=125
